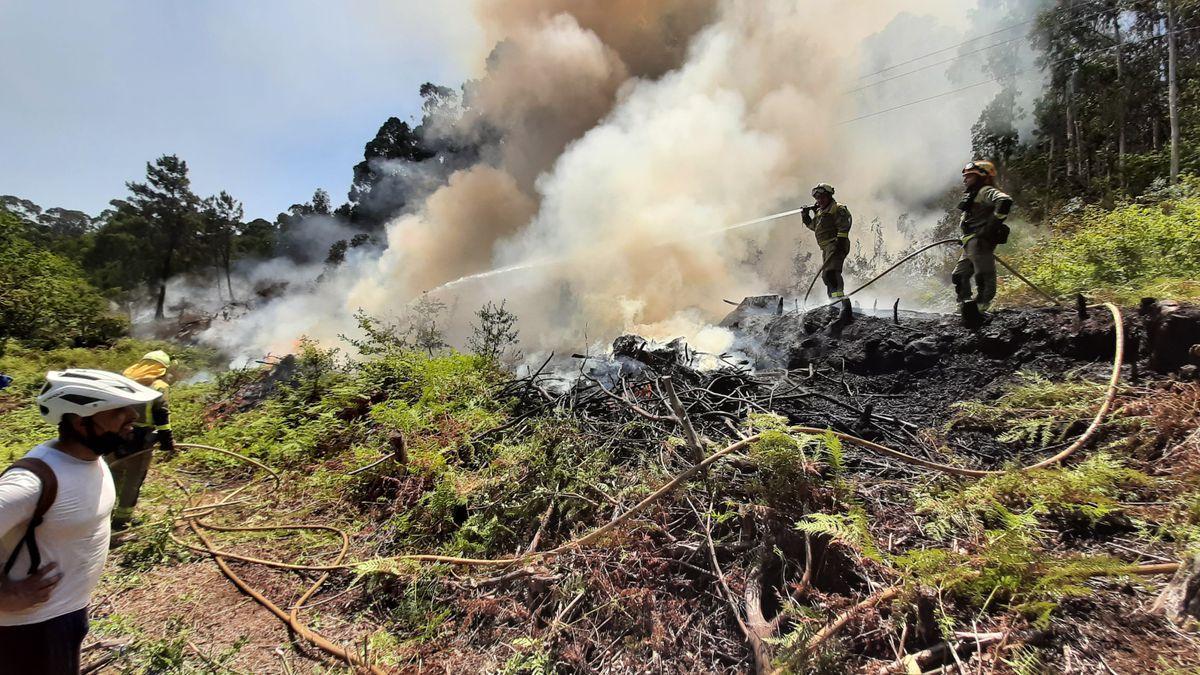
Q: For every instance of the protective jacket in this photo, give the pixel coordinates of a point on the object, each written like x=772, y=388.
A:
x=829, y=223
x=984, y=211
x=153, y=424
x=130, y=465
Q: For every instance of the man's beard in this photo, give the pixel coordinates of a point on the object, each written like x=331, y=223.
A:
x=104, y=443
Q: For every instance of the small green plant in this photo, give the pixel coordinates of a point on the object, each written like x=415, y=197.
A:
x=495, y=335
x=1008, y=568
x=849, y=529
x=792, y=654
x=532, y=657
x=1085, y=493
x=151, y=545
x=1025, y=660
x=167, y=655
x=378, y=336
x=423, y=331
x=1036, y=412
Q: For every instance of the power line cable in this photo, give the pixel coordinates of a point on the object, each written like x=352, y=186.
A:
x=1011, y=74
x=981, y=37
x=956, y=58
x=932, y=65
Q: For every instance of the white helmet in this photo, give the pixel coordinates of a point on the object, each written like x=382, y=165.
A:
x=85, y=392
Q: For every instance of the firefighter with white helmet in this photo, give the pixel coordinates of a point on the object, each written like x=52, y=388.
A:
x=984, y=211
x=55, y=504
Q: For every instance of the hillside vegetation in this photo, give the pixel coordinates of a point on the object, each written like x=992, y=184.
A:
x=811, y=522
x=1149, y=248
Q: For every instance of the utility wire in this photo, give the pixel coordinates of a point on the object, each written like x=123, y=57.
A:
x=1013, y=74
x=956, y=58
x=932, y=65
x=982, y=37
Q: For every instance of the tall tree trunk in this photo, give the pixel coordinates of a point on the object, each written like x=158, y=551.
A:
x=162, y=285
x=1172, y=91
x=1123, y=101
x=228, y=279
x=162, y=299
x=1074, y=130
x=1069, y=122
x=1049, y=183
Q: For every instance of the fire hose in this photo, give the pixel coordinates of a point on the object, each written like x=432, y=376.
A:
x=905, y=259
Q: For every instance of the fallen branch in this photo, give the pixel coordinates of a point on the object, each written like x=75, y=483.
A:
x=923, y=660
x=685, y=423
x=758, y=648
x=629, y=404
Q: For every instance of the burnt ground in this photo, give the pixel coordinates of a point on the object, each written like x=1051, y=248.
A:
x=911, y=368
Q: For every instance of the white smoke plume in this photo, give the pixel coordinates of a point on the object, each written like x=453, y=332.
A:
x=632, y=132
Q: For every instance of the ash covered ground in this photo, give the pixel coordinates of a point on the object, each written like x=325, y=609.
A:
x=890, y=374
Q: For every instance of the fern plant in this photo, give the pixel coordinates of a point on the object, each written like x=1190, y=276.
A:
x=849, y=529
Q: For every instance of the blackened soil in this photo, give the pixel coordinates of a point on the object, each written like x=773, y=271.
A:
x=911, y=372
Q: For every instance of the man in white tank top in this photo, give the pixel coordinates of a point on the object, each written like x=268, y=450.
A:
x=43, y=609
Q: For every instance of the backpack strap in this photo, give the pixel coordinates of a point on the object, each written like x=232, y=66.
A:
x=45, y=500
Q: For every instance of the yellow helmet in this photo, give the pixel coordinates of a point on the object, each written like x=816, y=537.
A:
x=980, y=167
x=158, y=356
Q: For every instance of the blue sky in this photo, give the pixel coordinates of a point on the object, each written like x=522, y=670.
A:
x=267, y=99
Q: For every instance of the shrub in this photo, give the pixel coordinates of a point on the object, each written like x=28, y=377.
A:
x=45, y=299
x=1133, y=251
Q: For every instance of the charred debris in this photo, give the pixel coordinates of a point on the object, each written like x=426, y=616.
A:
x=802, y=555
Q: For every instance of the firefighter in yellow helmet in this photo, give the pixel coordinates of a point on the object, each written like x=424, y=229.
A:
x=984, y=211
x=830, y=222
x=152, y=427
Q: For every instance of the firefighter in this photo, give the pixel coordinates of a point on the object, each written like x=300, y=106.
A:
x=985, y=208
x=153, y=427
x=830, y=222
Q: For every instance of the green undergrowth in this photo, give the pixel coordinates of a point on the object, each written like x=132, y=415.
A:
x=994, y=542
x=994, y=556
x=1124, y=254
x=28, y=367
x=20, y=425
x=1037, y=412
x=177, y=653
x=1081, y=495
x=454, y=494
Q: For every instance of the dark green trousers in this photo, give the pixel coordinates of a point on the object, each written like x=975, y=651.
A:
x=128, y=475
x=834, y=255
x=978, y=264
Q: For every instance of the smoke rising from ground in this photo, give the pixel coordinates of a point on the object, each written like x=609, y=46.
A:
x=627, y=128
